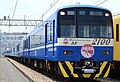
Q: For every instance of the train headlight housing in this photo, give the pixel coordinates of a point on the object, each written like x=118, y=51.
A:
x=106, y=52
x=67, y=52
x=62, y=13
x=107, y=14
x=76, y=64
x=88, y=63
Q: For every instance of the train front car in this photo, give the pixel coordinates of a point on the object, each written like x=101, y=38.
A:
x=85, y=41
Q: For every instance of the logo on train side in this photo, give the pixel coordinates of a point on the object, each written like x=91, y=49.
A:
x=87, y=51
x=65, y=41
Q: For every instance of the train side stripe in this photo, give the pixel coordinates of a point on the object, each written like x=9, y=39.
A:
x=63, y=70
x=107, y=72
x=71, y=69
x=101, y=69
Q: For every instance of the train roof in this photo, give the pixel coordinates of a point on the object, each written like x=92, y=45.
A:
x=87, y=6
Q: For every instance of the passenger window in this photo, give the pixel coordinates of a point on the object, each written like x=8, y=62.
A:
x=117, y=32
x=51, y=31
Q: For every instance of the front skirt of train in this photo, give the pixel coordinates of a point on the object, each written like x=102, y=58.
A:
x=68, y=71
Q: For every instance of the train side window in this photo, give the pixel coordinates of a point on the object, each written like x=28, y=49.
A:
x=117, y=32
x=51, y=32
x=18, y=47
x=46, y=25
x=24, y=46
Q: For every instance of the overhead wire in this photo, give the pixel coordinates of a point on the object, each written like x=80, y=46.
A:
x=15, y=9
x=116, y=13
x=97, y=1
x=12, y=18
x=100, y=2
x=13, y=14
x=49, y=8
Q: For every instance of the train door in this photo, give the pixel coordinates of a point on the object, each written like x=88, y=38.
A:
x=116, y=21
x=52, y=32
x=24, y=47
x=46, y=38
x=28, y=45
x=49, y=38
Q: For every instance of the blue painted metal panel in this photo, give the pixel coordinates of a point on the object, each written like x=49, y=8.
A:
x=77, y=56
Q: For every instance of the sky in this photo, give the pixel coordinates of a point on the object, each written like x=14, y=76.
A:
x=34, y=9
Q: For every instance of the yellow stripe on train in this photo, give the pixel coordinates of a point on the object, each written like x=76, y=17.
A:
x=62, y=70
x=101, y=69
x=107, y=72
x=70, y=68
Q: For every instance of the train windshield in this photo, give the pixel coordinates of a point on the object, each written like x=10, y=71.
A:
x=85, y=23
x=94, y=31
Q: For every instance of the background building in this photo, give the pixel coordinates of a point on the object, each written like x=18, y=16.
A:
x=8, y=40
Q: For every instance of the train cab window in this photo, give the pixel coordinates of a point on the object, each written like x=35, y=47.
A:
x=90, y=31
x=96, y=13
x=67, y=23
x=93, y=24
x=70, y=12
x=81, y=12
x=117, y=32
x=68, y=31
x=85, y=23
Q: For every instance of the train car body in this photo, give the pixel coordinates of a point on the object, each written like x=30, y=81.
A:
x=116, y=59
x=116, y=23
x=76, y=41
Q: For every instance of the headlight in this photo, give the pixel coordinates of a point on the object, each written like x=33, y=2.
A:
x=62, y=13
x=67, y=52
x=105, y=52
x=88, y=63
x=106, y=14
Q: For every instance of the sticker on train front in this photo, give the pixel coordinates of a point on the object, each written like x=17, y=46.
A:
x=87, y=51
x=65, y=41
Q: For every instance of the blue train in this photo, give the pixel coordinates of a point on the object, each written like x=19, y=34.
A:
x=76, y=41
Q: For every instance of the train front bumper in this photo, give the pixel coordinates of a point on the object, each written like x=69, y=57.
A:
x=68, y=71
